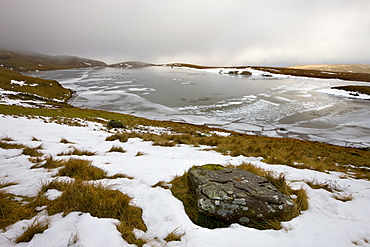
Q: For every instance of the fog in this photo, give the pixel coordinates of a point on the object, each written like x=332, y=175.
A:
x=232, y=32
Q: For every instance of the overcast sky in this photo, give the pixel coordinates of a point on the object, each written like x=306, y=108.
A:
x=208, y=32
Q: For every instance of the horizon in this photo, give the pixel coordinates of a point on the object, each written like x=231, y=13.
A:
x=226, y=33
x=24, y=52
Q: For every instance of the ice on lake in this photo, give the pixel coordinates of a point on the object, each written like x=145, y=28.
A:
x=280, y=106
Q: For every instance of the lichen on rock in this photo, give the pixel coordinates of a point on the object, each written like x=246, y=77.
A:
x=235, y=195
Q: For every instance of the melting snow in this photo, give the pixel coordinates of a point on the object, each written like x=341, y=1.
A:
x=327, y=222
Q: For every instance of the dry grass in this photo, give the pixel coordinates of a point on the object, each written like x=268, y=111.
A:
x=33, y=152
x=7, y=145
x=117, y=149
x=81, y=169
x=292, y=152
x=51, y=162
x=6, y=184
x=65, y=141
x=139, y=153
x=122, y=137
x=162, y=184
x=76, y=151
x=344, y=197
x=7, y=139
x=120, y=175
x=296, y=153
x=36, y=227
x=44, y=88
x=343, y=75
x=12, y=211
x=175, y=235
x=332, y=187
x=34, y=139
x=100, y=201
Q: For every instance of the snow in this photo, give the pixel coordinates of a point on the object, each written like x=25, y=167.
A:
x=346, y=94
x=20, y=83
x=327, y=222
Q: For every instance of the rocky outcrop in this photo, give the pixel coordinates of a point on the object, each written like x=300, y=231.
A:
x=115, y=124
x=235, y=195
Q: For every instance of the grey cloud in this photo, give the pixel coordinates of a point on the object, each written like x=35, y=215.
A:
x=220, y=32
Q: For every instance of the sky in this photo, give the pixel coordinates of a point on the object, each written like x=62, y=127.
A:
x=218, y=32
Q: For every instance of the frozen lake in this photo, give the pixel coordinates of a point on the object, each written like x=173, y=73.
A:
x=279, y=106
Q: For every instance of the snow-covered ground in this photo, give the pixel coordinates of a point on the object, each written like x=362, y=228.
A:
x=327, y=222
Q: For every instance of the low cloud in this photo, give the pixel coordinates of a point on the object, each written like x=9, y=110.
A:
x=231, y=32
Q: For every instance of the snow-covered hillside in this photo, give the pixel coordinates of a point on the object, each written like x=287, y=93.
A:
x=327, y=222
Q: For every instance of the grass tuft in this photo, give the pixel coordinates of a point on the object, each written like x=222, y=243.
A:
x=76, y=151
x=344, y=197
x=12, y=211
x=100, y=201
x=34, y=139
x=35, y=228
x=175, y=235
x=120, y=175
x=139, y=153
x=51, y=163
x=81, y=169
x=7, y=139
x=65, y=141
x=162, y=184
x=6, y=145
x=33, y=152
x=117, y=149
x=6, y=184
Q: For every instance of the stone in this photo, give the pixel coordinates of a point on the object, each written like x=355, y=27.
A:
x=233, y=72
x=245, y=73
x=235, y=195
x=115, y=124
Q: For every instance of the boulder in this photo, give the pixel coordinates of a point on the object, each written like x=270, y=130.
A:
x=245, y=73
x=233, y=72
x=115, y=124
x=235, y=195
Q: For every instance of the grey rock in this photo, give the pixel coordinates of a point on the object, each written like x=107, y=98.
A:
x=245, y=73
x=115, y=124
x=235, y=195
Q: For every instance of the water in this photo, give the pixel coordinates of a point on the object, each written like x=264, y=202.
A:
x=280, y=106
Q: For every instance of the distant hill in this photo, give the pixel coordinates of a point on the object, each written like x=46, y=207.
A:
x=131, y=64
x=35, y=61
x=347, y=68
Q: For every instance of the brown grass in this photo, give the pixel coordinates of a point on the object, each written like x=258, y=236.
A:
x=76, y=151
x=65, y=141
x=45, y=88
x=175, y=235
x=6, y=145
x=6, y=184
x=316, y=73
x=117, y=149
x=81, y=169
x=12, y=211
x=36, y=227
x=33, y=152
x=100, y=201
x=139, y=153
x=296, y=153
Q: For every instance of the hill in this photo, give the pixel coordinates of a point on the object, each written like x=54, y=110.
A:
x=346, y=68
x=22, y=62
